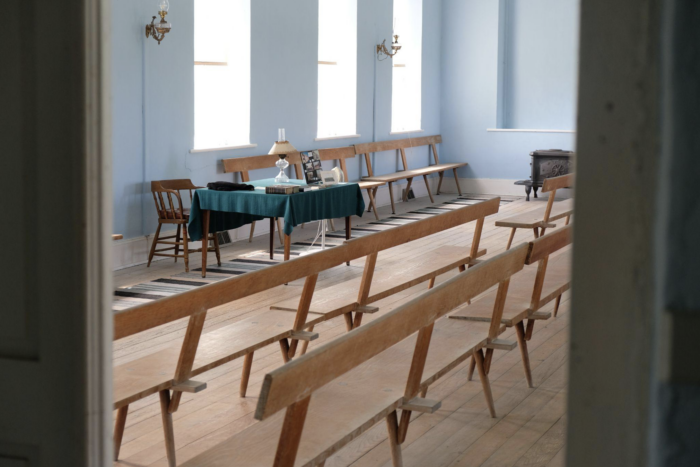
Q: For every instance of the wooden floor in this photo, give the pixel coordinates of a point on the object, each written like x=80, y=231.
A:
x=529, y=430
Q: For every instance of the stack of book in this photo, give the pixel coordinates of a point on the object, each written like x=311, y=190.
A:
x=281, y=189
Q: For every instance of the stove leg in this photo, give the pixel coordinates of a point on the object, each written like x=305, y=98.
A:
x=527, y=192
x=535, y=188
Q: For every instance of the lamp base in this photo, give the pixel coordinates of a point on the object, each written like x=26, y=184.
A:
x=282, y=178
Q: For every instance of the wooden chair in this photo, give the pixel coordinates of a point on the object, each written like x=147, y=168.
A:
x=541, y=218
x=199, y=353
x=375, y=371
x=166, y=194
x=406, y=173
x=541, y=282
x=243, y=166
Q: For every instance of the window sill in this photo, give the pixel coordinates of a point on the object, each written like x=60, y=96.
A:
x=405, y=132
x=326, y=138
x=225, y=148
x=518, y=130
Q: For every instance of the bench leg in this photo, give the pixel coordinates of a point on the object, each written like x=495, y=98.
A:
x=556, y=306
x=391, y=196
x=510, y=239
x=372, y=205
x=568, y=218
x=487, y=360
x=119, y=429
x=427, y=185
x=245, y=373
x=167, y=427
x=485, y=384
x=357, y=320
x=290, y=437
x=522, y=344
x=530, y=328
x=348, y=321
x=284, y=347
x=442, y=175
x=408, y=188
x=459, y=189
x=424, y=392
x=536, y=232
x=252, y=230
x=403, y=425
x=305, y=344
x=472, y=367
x=393, y=427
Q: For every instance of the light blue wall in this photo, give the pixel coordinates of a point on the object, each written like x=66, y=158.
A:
x=153, y=107
x=470, y=91
x=540, y=63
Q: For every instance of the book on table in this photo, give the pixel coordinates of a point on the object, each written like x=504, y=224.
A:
x=281, y=189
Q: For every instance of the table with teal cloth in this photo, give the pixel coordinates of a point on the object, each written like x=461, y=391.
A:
x=229, y=210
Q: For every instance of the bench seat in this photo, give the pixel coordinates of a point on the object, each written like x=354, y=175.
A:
x=517, y=307
x=388, y=280
x=147, y=375
x=367, y=184
x=404, y=174
x=532, y=219
x=351, y=404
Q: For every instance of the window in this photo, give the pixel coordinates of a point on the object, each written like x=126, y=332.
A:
x=221, y=73
x=407, y=70
x=337, y=68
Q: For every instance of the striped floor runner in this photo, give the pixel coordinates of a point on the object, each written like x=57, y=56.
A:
x=127, y=297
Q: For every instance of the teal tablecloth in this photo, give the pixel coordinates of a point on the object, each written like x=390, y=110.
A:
x=233, y=209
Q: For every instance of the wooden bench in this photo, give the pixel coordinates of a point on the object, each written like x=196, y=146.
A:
x=154, y=373
x=541, y=218
x=406, y=173
x=544, y=280
x=340, y=390
x=243, y=166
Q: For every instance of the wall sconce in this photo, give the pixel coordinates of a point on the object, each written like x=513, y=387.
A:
x=383, y=51
x=160, y=29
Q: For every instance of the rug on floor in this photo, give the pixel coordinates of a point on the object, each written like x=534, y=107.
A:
x=127, y=297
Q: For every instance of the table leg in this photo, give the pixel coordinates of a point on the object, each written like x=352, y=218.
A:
x=272, y=238
x=348, y=229
x=287, y=246
x=205, y=240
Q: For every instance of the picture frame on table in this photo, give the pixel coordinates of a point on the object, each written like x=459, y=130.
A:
x=311, y=161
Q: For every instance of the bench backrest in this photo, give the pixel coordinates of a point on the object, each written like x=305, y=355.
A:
x=552, y=185
x=338, y=155
x=244, y=165
x=539, y=251
x=292, y=385
x=398, y=144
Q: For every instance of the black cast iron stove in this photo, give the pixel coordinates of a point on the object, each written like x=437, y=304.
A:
x=546, y=163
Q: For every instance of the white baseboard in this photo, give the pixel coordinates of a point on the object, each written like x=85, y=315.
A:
x=493, y=186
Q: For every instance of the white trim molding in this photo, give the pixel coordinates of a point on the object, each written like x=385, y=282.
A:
x=326, y=138
x=225, y=148
x=494, y=186
x=406, y=132
x=521, y=130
